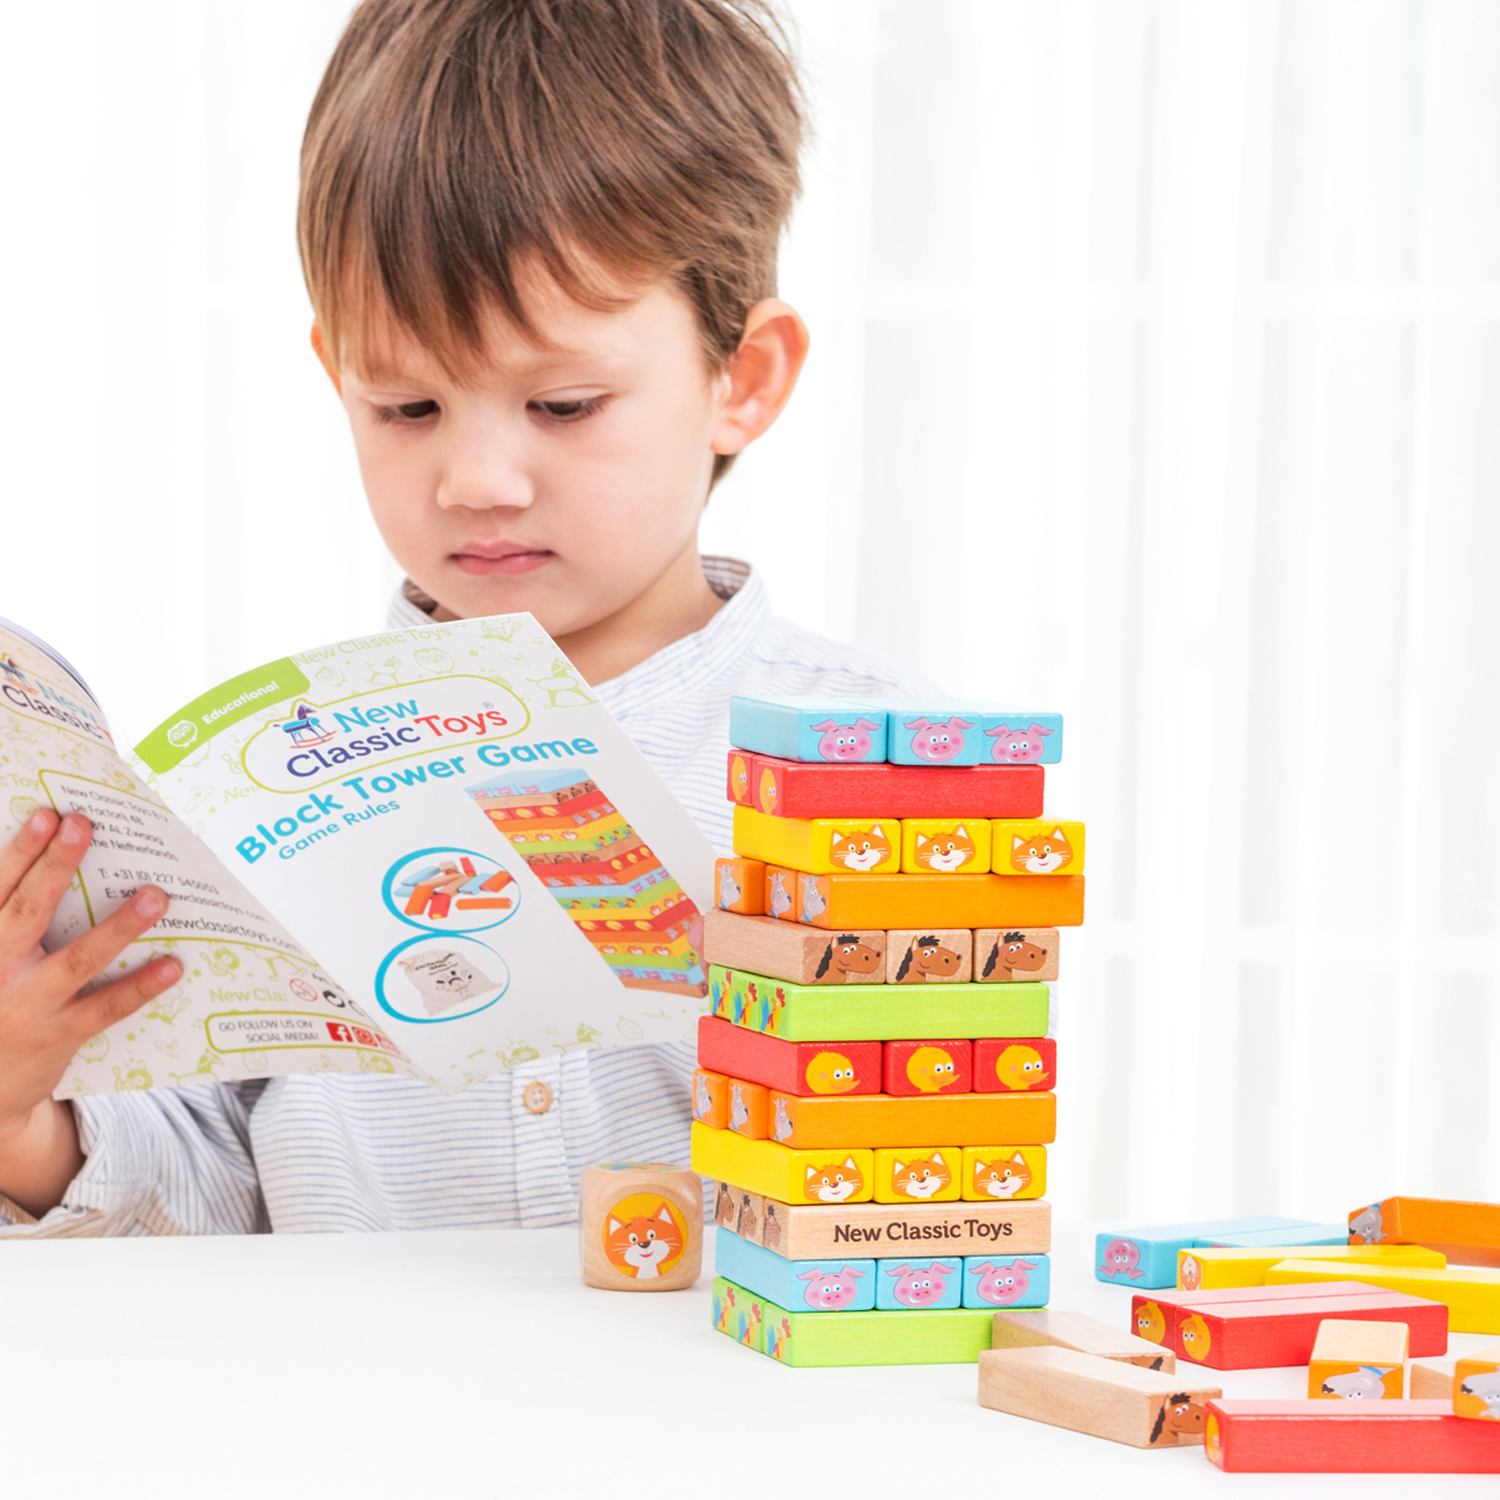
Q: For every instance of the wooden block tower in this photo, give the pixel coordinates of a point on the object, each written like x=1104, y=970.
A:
x=874, y=1095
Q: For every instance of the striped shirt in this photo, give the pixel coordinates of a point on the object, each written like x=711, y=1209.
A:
x=320, y=1153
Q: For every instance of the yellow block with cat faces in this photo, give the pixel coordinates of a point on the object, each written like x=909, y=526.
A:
x=945, y=846
x=922, y=1174
x=833, y=1176
x=1033, y=846
x=820, y=846
x=1004, y=1173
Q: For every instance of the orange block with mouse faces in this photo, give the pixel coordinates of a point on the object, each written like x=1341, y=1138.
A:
x=913, y=1068
x=1015, y=1065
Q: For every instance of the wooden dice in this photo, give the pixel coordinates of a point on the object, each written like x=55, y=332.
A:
x=641, y=1226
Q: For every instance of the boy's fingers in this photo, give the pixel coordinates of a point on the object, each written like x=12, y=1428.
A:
x=96, y=1012
x=18, y=856
x=29, y=908
x=96, y=949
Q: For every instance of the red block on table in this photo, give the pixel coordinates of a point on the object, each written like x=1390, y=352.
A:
x=1226, y=1330
x=1348, y=1437
x=928, y=1068
x=807, y=789
x=1015, y=1065
x=791, y=1067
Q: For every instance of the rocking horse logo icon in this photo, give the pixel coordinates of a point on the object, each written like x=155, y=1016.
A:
x=304, y=726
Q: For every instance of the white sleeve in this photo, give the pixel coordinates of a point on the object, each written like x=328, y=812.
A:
x=159, y=1161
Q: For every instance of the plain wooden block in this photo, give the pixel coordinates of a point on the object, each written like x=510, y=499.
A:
x=892, y=1229
x=711, y=1097
x=780, y=1172
x=1431, y=1379
x=819, y=845
x=812, y=1123
x=781, y=893
x=844, y=730
x=918, y=1174
x=749, y=1109
x=1358, y=1360
x=802, y=789
x=1004, y=1173
x=1003, y=955
x=947, y=1336
x=740, y=885
x=1475, y=1386
x=1471, y=1294
x=915, y=1068
x=851, y=901
x=1102, y=1397
x=835, y=1284
x=1148, y=1257
x=1014, y=1065
x=942, y=955
x=790, y=951
x=945, y=846
x=790, y=1067
x=1034, y=1328
x=1036, y=846
x=1209, y=1268
x=740, y=1211
x=641, y=1226
x=1467, y=1233
x=1347, y=1437
x=738, y=1313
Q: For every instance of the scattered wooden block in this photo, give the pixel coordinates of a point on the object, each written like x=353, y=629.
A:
x=1468, y=1233
x=779, y=1172
x=945, y=846
x=1004, y=1173
x=711, y=1098
x=915, y=1068
x=1316, y=1235
x=952, y=1336
x=801, y=789
x=819, y=845
x=749, y=1109
x=1431, y=1379
x=918, y=1285
x=806, y=1232
x=790, y=1067
x=1209, y=1268
x=935, y=955
x=852, y=901
x=921, y=1174
x=1006, y=1281
x=641, y=1226
x=739, y=1314
x=811, y=1123
x=793, y=727
x=876, y=1012
x=824, y=1285
x=740, y=885
x=1003, y=955
x=1014, y=1065
x=1103, y=1397
x=1475, y=1385
x=1347, y=1437
x=1358, y=1360
x=1148, y=1257
x=1471, y=1294
x=1016, y=1328
x=790, y=951
x=740, y=1211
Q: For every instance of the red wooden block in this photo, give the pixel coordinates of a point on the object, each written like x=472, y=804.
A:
x=804, y=789
x=711, y=1098
x=791, y=1067
x=928, y=1068
x=741, y=768
x=1348, y=1437
x=1230, y=1332
x=1014, y=1065
x=740, y=885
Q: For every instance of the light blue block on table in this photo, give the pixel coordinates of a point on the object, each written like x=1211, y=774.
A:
x=1256, y=1239
x=1007, y=1280
x=831, y=1285
x=919, y=1285
x=1147, y=1258
x=847, y=731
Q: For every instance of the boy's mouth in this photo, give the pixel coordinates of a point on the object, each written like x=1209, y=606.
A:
x=484, y=559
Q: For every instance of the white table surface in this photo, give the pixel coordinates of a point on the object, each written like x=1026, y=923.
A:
x=478, y=1364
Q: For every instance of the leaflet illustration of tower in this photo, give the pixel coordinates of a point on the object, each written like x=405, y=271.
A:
x=603, y=874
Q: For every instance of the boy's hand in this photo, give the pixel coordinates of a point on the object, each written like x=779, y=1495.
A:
x=43, y=1018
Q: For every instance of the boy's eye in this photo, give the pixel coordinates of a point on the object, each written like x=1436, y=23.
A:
x=408, y=411
x=567, y=411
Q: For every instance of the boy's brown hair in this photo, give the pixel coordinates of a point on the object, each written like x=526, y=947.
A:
x=453, y=140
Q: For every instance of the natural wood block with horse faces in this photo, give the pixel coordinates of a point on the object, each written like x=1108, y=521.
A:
x=641, y=1226
x=790, y=951
x=941, y=955
x=1003, y=955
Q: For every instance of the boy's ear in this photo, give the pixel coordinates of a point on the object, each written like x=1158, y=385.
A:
x=762, y=374
x=321, y=350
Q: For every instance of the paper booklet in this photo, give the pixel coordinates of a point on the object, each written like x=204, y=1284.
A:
x=429, y=852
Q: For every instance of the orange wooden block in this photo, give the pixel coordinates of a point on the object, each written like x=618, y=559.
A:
x=1358, y=1360
x=781, y=893
x=1467, y=1233
x=1476, y=1384
x=889, y=901
x=711, y=1098
x=749, y=1109
x=740, y=885
x=837, y=1121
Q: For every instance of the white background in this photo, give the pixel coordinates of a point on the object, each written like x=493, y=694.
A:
x=1154, y=378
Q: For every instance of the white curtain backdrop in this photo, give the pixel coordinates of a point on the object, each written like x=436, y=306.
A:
x=1155, y=379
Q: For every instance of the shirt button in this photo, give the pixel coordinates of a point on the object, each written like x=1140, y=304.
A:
x=537, y=1098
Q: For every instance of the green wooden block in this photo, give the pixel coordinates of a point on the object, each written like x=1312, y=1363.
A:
x=876, y=1012
x=809, y=1339
x=740, y=1314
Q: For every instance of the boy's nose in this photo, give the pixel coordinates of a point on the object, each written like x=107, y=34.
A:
x=485, y=472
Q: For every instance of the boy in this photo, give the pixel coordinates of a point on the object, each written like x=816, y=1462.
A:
x=540, y=241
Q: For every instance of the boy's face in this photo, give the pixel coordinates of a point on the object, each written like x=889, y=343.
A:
x=566, y=478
